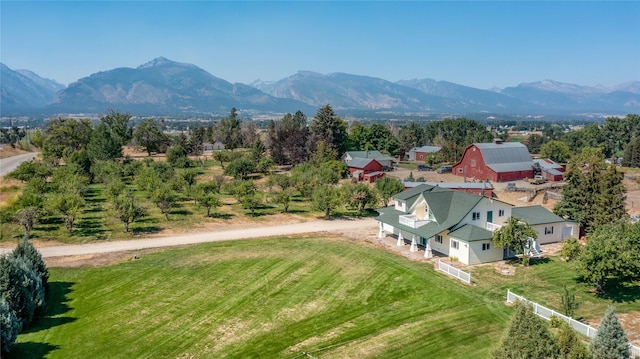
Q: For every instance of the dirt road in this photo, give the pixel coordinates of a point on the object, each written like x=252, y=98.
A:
x=237, y=234
x=11, y=163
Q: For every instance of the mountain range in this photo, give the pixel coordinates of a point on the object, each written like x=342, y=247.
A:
x=164, y=87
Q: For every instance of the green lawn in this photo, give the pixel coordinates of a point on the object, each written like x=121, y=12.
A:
x=267, y=298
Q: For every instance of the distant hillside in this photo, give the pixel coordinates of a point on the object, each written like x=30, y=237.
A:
x=552, y=95
x=23, y=90
x=164, y=86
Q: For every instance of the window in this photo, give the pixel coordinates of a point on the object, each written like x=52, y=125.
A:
x=548, y=230
x=454, y=244
x=438, y=238
x=486, y=246
x=475, y=216
x=501, y=213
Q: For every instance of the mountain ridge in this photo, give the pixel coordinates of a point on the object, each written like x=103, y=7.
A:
x=168, y=87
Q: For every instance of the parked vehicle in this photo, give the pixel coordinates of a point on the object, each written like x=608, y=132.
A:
x=444, y=169
x=425, y=168
x=537, y=179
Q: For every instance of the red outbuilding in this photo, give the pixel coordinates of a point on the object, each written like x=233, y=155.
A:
x=497, y=161
x=359, y=167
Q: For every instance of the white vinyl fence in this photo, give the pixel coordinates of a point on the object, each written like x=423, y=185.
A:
x=454, y=272
x=547, y=313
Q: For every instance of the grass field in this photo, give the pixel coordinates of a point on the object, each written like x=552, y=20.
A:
x=264, y=298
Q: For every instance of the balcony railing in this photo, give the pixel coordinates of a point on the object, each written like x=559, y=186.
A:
x=492, y=227
x=410, y=220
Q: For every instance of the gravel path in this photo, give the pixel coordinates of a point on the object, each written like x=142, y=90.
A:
x=237, y=234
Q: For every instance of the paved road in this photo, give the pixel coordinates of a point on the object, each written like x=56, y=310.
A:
x=11, y=163
x=237, y=234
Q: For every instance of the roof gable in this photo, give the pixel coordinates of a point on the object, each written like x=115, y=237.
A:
x=362, y=162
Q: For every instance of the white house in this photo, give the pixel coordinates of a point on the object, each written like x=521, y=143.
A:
x=461, y=225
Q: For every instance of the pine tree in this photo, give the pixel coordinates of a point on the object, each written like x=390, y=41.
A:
x=610, y=342
x=331, y=129
x=10, y=326
x=527, y=337
x=30, y=253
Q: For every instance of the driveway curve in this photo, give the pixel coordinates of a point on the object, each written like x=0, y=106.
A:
x=9, y=164
x=204, y=237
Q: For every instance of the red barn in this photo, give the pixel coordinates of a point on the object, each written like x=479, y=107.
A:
x=497, y=161
x=358, y=167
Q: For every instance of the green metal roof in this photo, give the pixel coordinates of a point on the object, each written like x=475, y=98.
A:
x=376, y=155
x=536, y=215
x=469, y=233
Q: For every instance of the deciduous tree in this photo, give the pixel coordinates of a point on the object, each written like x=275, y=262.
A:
x=517, y=234
x=388, y=187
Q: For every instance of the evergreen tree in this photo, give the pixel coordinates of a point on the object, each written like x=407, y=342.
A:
x=610, y=342
x=594, y=194
x=331, y=129
x=25, y=249
x=10, y=326
x=527, y=337
x=570, y=344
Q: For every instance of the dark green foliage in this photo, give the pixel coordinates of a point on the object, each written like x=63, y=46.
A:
x=229, y=130
x=527, y=337
x=118, y=125
x=331, y=129
x=65, y=134
x=374, y=137
x=289, y=139
x=631, y=157
x=104, y=171
x=104, y=145
x=388, y=187
x=10, y=326
x=570, y=344
x=612, y=250
x=411, y=136
x=534, y=142
x=610, y=342
x=453, y=135
x=148, y=134
x=594, y=194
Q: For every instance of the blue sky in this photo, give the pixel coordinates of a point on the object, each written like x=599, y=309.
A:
x=479, y=44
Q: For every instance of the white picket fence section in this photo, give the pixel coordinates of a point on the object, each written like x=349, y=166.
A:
x=454, y=272
x=547, y=313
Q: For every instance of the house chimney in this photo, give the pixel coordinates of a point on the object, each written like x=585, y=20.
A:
x=366, y=154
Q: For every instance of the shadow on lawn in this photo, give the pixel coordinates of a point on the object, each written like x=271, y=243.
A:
x=31, y=350
x=618, y=291
x=56, y=306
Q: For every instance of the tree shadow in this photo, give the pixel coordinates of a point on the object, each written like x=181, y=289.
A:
x=89, y=228
x=221, y=215
x=145, y=230
x=538, y=260
x=619, y=291
x=31, y=350
x=57, y=299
